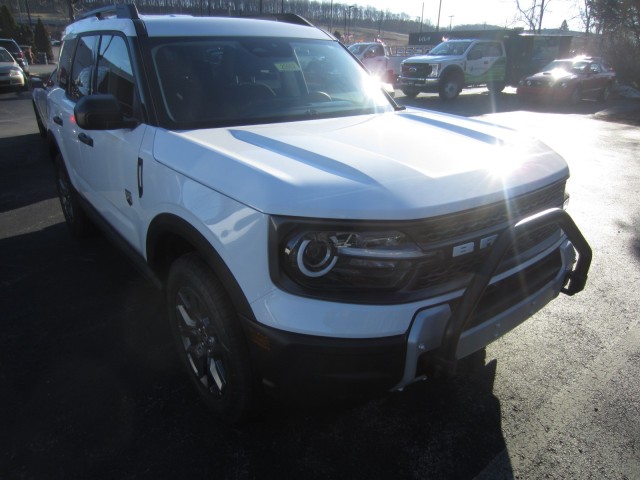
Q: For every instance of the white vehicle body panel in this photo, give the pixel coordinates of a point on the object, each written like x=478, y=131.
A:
x=336, y=169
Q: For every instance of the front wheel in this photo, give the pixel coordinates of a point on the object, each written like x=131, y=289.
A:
x=496, y=87
x=209, y=338
x=576, y=95
x=450, y=87
x=410, y=92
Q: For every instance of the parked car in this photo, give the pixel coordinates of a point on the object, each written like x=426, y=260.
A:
x=17, y=53
x=569, y=81
x=12, y=77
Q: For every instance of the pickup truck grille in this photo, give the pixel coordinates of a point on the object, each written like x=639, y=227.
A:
x=445, y=233
x=416, y=70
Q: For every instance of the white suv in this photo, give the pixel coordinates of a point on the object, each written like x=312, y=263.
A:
x=313, y=238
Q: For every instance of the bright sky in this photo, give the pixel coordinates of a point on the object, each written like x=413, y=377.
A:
x=494, y=12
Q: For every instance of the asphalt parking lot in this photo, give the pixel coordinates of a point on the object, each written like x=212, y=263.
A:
x=90, y=386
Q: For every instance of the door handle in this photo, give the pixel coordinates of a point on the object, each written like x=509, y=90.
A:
x=57, y=120
x=86, y=139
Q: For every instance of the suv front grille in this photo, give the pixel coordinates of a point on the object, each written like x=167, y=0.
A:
x=490, y=216
x=445, y=233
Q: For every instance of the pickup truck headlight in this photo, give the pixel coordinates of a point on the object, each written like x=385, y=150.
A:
x=435, y=70
x=14, y=72
x=326, y=261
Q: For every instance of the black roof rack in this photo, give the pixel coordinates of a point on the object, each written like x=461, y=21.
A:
x=128, y=10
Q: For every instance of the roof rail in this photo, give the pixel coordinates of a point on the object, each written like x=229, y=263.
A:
x=128, y=10
x=283, y=17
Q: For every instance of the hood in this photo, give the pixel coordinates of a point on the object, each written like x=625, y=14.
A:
x=554, y=76
x=442, y=58
x=434, y=58
x=400, y=165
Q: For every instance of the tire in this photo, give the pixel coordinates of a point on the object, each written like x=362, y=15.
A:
x=576, y=95
x=77, y=221
x=496, y=87
x=450, y=87
x=410, y=92
x=209, y=339
x=605, y=93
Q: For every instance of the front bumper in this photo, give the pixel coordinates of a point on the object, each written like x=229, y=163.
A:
x=423, y=84
x=11, y=83
x=322, y=368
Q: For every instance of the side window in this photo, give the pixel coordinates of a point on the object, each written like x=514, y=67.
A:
x=493, y=50
x=476, y=52
x=64, y=64
x=82, y=69
x=115, y=75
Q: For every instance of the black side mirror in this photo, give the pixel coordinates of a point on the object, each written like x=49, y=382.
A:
x=101, y=112
x=36, y=82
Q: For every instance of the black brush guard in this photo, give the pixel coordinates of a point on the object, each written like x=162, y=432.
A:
x=443, y=362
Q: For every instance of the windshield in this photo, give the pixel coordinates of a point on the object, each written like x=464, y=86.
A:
x=567, y=66
x=221, y=82
x=358, y=48
x=450, y=48
x=5, y=56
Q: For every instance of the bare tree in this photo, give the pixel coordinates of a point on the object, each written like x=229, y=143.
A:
x=532, y=12
x=586, y=12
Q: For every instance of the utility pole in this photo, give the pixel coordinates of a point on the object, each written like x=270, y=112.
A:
x=439, y=10
x=349, y=24
x=72, y=15
x=28, y=13
x=331, y=19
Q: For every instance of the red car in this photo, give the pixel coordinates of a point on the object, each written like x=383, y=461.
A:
x=569, y=81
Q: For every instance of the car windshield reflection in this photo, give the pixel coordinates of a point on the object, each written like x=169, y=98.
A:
x=261, y=80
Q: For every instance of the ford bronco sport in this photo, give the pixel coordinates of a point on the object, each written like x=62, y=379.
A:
x=312, y=237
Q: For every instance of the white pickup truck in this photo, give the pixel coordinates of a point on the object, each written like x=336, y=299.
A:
x=311, y=237
x=381, y=60
x=453, y=65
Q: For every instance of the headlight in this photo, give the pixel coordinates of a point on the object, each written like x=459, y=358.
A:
x=435, y=70
x=14, y=72
x=563, y=84
x=337, y=261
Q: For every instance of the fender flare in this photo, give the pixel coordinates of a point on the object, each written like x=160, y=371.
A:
x=452, y=70
x=184, y=237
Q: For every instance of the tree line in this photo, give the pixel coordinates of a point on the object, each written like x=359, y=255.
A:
x=614, y=25
x=338, y=16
